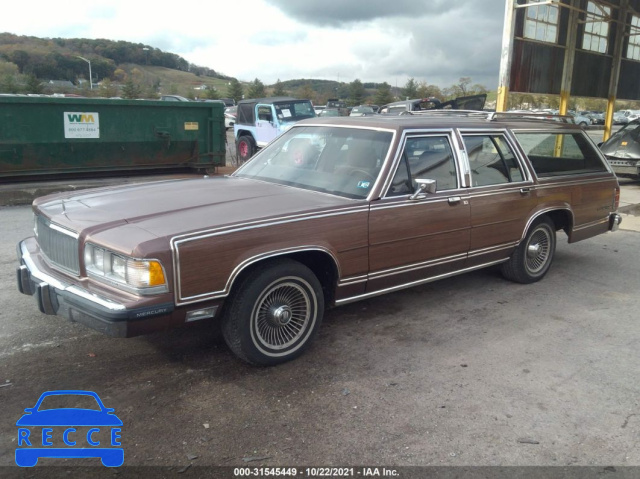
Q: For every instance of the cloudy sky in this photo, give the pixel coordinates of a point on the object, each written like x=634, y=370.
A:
x=436, y=41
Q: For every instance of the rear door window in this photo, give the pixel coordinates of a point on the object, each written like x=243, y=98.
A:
x=491, y=160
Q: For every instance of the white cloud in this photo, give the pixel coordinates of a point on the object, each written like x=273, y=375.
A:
x=433, y=40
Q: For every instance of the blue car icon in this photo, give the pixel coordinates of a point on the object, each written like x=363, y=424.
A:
x=33, y=446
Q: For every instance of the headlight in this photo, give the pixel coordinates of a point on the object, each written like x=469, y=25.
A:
x=139, y=274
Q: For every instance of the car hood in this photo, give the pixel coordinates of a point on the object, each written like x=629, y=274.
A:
x=69, y=417
x=624, y=143
x=173, y=207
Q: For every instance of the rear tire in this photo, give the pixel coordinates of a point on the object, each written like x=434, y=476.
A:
x=274, y=313
x=532, y=259
x=245, y=148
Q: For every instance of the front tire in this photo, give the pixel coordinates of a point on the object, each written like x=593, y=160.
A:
x=532, y=259
x=274, y=313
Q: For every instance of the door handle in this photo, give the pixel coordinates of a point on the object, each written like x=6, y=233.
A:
x=454, y=200
x=525, y=191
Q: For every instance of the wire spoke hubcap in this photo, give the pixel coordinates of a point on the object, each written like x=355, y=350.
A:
x=283, y=315
x=538, y=251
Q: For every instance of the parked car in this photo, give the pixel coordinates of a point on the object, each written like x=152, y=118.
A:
x=330, y=112
x=619, y=118
x=340, y=105
x=334, y=210
x=623, y=150
x=228, y=101
x=230, y=114
x=631, y=115
x=580, y=120
x=473, y=102
x=173, y=98
x=259, y=121
x=362, y=110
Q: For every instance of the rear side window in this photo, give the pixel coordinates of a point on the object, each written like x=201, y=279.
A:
x=491, y=160
x=556, y=154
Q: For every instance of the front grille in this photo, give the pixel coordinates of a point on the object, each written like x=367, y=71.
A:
x=60, y=248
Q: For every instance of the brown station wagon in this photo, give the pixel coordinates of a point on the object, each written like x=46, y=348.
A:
x=333, y=211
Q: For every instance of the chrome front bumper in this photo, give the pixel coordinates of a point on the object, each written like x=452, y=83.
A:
x=56, y=297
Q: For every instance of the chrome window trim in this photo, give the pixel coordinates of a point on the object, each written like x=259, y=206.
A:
x=568, y=131
x=385, y=160
x=422, y=133
x=545, y=183
x=514, y=147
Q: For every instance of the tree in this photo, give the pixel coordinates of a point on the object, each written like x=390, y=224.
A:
x=20, y=58
x=278, y=89
x=410, y=89
x=305, y=92
x=383, y=94
x=356, y=93
x=108, y=89
x=211, y=94
x=256, y=89
x=428, y=91
x=131, y=90
x=462, y=87
x=33, y=85
x=120, y=75
x=9, y=84
x=234, y=90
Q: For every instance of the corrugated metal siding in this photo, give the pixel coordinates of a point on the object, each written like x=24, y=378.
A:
x=537, y=67
x=591, y=74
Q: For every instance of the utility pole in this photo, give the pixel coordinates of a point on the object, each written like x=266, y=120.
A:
x=90, y=77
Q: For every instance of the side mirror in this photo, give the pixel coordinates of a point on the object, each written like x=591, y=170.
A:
x=424, y=186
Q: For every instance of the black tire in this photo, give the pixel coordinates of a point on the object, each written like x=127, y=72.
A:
x=274, y=313
x=245, y=148
x=532, y=259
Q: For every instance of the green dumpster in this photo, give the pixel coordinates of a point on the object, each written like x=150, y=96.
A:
x=45, y=135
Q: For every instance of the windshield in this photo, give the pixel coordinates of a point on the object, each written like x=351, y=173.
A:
x=340, y=161
x=294, y=111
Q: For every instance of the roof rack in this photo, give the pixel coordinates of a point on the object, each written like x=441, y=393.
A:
x=449, y=112
x=513, y=115
x=494, y=116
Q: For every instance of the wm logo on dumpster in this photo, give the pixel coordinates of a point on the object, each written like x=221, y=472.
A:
x=80, y=118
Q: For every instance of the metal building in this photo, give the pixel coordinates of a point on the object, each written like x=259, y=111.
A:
x=587, y=48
